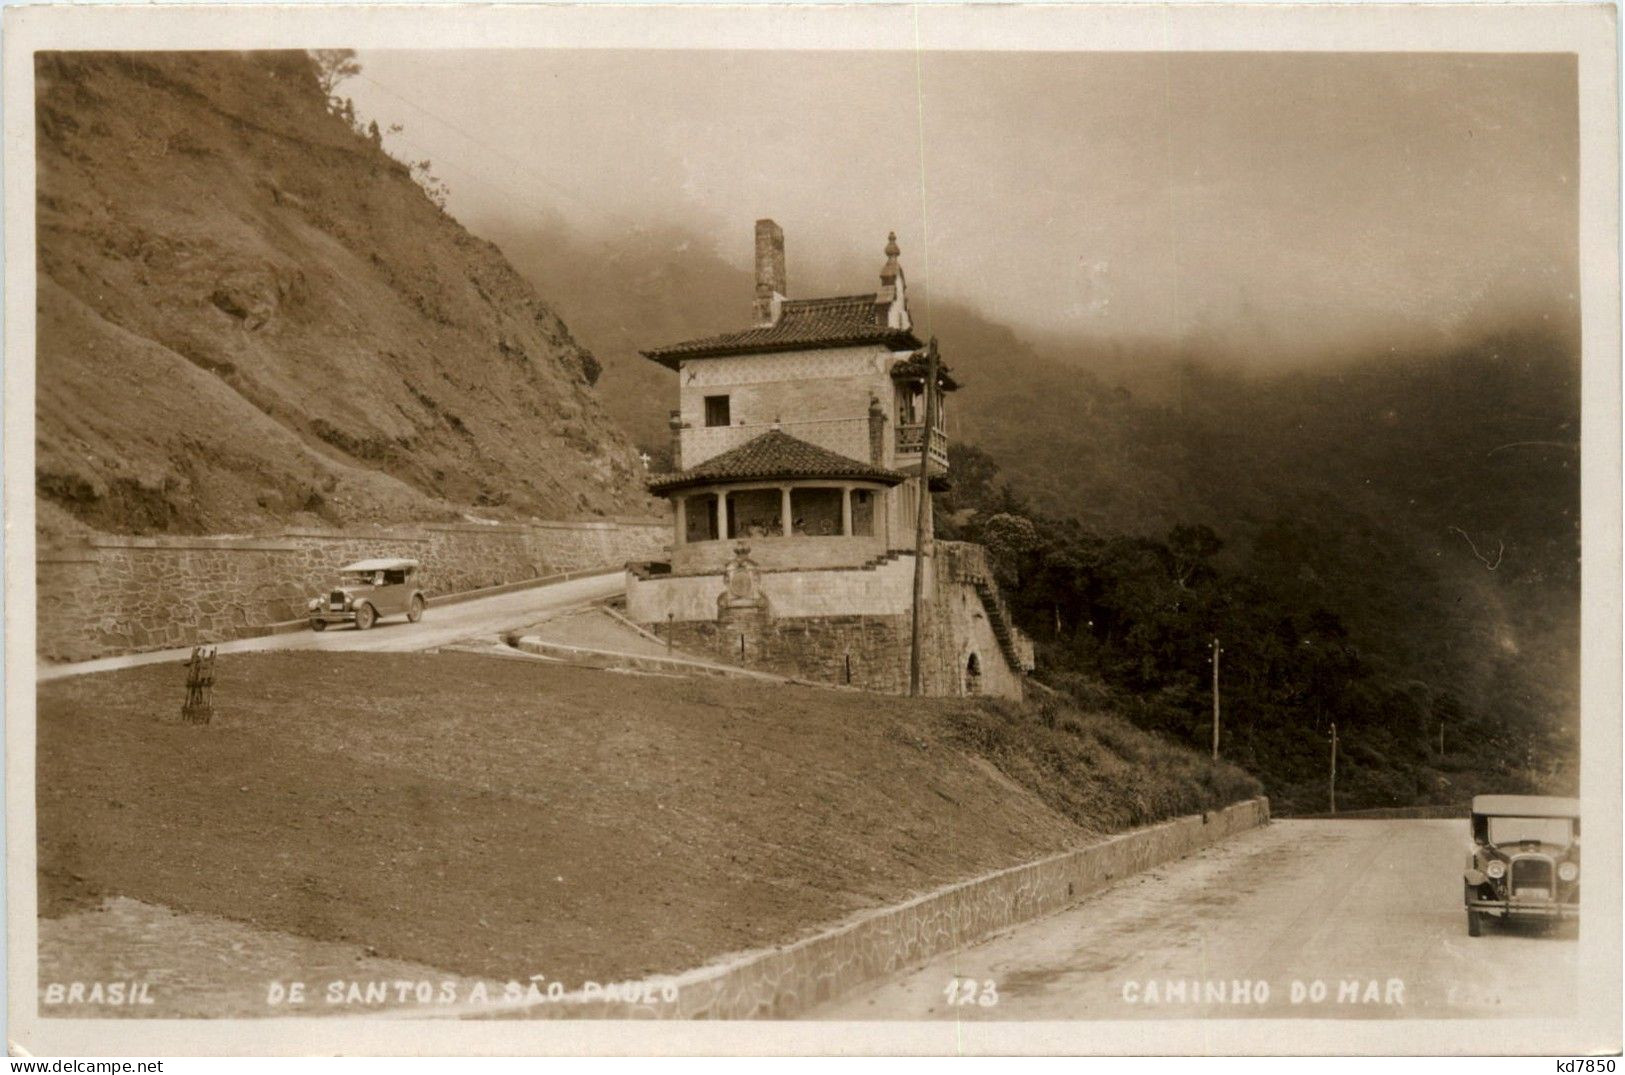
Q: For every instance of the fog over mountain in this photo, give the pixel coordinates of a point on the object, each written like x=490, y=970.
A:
x=1276, y=208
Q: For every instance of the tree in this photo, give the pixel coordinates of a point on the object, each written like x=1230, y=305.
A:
x=1009, y=538
x=333, y=66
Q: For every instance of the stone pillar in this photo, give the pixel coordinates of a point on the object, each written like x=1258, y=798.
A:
x=786, y=517
x=679, y=512
x=722, y=514
x=846, y=511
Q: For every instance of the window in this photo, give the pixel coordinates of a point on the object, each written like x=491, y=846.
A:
x=716, y=411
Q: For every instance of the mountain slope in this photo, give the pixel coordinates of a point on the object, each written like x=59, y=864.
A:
x=250, y=315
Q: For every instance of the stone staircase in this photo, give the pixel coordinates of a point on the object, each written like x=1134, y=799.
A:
x=968, y=563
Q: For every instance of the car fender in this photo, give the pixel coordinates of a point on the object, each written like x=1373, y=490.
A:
x=1474, y=877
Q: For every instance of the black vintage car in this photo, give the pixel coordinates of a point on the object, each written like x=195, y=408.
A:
x=1525, y=860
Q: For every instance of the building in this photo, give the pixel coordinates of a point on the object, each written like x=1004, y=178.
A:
x=801, y=459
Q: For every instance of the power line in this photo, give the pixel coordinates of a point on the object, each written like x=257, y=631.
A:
x=607, y=216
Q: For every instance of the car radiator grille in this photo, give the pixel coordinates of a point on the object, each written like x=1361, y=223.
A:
x=1531, y=877
x=337, y=598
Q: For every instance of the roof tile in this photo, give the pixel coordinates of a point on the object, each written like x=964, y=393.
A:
x=844, y=321
x=773, y=455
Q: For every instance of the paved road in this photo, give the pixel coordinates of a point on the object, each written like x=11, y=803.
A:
x=1299, y=901
x=441, y=625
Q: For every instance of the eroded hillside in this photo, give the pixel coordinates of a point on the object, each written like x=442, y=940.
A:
x=250, y=315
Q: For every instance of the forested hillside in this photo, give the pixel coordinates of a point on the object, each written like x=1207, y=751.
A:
x=1389, y=541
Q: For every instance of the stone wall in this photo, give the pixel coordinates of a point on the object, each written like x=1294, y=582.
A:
x=113, y=595
x=842, y=627
x=784, y=982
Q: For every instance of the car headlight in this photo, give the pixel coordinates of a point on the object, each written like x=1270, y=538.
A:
x=314, y=604
x=1568, y=871
x=1496, y=869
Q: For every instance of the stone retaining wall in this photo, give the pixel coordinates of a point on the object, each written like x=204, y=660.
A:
x=784, y=982
x=113, y=595
x=849, y=627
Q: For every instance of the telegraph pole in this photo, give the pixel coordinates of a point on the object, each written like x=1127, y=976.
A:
x=1216, y=652
x=1334, y=767
x=923, y=518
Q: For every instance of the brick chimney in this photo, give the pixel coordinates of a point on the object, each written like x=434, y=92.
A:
x=770, y=286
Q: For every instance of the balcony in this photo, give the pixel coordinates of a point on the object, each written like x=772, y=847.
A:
x=910, y=437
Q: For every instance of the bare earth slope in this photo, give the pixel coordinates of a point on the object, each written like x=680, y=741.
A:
x=250, y=315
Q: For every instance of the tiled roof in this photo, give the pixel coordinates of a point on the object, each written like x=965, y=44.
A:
x=803, y=324
x=773, y=455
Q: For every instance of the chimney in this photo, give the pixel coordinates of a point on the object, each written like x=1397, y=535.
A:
x=770, y=285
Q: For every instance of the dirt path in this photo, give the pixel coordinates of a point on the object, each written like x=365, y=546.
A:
x=1333, y=902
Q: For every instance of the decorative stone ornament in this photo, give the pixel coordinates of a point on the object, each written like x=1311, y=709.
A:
x=742, y=580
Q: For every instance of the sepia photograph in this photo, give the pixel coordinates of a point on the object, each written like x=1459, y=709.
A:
x=864, y=529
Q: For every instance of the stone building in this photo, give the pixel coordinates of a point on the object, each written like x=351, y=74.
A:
x=800, y=458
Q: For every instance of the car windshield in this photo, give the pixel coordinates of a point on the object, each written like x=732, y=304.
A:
x=356, y=578
x=1516, y=830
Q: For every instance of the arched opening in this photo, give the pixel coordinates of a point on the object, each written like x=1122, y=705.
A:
x=973, y=675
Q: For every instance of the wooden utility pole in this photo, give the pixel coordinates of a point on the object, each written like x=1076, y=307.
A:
x=922, y=522
x=1334, y=767
x=1216, y=652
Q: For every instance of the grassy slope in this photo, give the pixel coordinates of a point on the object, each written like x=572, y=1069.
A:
x=509, y=818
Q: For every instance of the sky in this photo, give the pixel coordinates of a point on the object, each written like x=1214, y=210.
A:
x=1284, y=204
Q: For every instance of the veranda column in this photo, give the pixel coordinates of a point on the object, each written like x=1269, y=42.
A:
x=785, y=518
x=680, y=516
x=722, y=515
x=846, y=511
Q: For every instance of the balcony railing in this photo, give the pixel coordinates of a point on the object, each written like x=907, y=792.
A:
x=910, y=437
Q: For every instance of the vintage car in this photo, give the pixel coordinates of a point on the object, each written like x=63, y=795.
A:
x=369, y=589
x=1525, y=859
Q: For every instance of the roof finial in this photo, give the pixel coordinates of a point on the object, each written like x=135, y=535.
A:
x=888, y=274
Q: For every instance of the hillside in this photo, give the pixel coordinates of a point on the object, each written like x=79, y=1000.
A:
x=249, y=315
x=642, y=824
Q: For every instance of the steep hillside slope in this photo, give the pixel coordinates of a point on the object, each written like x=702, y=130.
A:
x=250, y=315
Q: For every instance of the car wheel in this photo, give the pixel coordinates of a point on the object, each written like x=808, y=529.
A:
x=318, y=625
x=1474, y=925
x=414, y=611
x=365, y=617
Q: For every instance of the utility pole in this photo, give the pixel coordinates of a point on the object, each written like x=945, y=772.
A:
x=923, y=518
x=1216, y=652
x=1334, y=767
x=1441, y=739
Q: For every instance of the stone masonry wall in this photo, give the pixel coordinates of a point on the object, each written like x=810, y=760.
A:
x=809, y=638
x=125, y=594
x=788, y=980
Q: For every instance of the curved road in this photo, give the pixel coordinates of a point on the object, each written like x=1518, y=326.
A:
x=441, y=625
x=1343, y=903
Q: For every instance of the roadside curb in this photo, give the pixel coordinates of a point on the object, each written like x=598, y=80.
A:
x=610, y=659
x=782, y=982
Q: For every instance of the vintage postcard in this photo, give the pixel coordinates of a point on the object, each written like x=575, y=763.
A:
x=809, y=529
